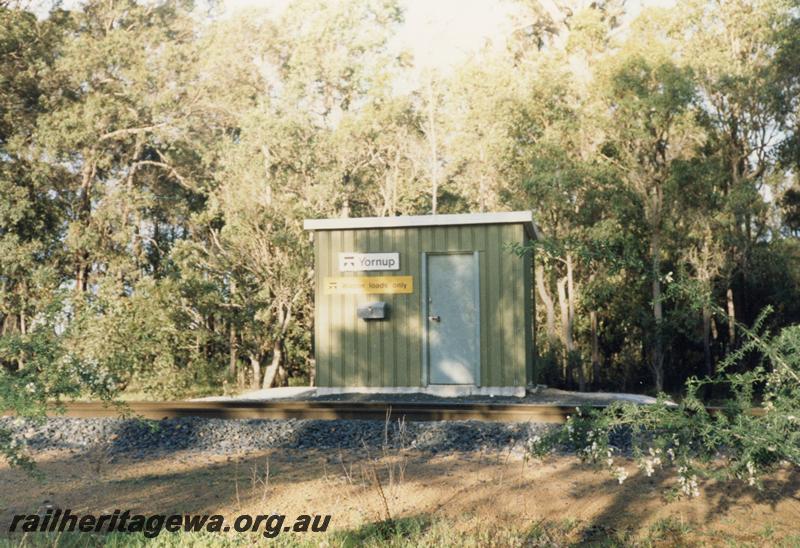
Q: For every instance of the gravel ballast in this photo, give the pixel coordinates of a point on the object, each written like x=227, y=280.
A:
x=147, y=438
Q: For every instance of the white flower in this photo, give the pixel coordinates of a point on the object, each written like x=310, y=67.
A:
x=649, y=465
x=30, y=387
x=688, y=485
x=621, y=474
x=751, y=473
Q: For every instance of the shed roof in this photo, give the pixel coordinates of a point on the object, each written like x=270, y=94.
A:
x=349, y=223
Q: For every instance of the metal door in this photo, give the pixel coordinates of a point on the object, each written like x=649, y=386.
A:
x=452, y=318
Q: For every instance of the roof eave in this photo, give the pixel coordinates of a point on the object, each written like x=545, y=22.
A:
x=410, y=221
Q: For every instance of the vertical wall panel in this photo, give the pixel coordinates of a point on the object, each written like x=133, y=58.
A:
x=389, y=361
x=518, y=311
x=348, y=305
x=333, y=310
x=508, y=294
x=493, y=285
x=480, y=241
x=317, y=292
x=530, y=374
x=399, y=316
x=373, y=328
x=336, y=318
x=325, y=304
x=360, y=331
x=415, y=310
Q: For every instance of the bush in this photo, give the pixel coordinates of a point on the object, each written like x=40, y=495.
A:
x=39, y=370
x=691, y=440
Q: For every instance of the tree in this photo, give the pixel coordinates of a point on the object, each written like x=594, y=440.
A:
x=31, y=210
x=731, y=48
x=653, y=127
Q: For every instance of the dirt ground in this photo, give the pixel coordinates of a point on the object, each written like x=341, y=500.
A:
x=472, y=491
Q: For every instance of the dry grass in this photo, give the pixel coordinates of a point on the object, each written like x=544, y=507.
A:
x=401, y=496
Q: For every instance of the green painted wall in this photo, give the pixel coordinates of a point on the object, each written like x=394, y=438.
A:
x=352, y=352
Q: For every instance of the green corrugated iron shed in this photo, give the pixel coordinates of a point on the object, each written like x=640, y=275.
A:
x=434, y=303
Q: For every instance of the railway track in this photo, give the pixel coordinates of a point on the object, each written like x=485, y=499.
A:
x=428, y=411
x=556, y=414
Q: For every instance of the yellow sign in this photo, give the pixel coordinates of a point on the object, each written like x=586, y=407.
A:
x=366, y=285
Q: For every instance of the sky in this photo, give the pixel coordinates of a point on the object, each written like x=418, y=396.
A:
x=441, y=34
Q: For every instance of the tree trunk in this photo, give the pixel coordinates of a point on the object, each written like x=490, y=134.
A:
x=255, y=365
x=567, y=322
x=571, y=291
x=232, y=338
x=562, y=302
x=657, y=364
x=571, y=298
x=566, y=334
x=274, y=370
x=482, y=191
x=595, y=348
x=709, y=361
x=549, y=307
x=271, y=374
x=233, y=352
x=312, y=374
x=83, y=264
x=434, y=152
x=731, y=319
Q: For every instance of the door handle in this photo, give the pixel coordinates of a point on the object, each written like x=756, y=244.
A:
x=435, y=318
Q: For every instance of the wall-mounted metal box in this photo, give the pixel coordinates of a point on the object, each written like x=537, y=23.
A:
x=373, y=311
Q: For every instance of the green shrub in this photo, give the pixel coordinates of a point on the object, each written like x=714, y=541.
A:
x=690, y=440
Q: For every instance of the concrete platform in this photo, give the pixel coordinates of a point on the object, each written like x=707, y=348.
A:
x=539, y=395
x=268, y=394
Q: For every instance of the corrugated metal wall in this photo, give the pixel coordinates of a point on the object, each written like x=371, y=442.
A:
x=352, y=352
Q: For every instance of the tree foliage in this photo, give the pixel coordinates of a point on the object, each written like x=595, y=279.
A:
x=689, y=440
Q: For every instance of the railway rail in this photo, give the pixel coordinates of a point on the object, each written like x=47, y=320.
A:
x=428, y=411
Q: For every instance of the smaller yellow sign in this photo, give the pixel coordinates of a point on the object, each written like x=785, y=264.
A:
x=368, y=285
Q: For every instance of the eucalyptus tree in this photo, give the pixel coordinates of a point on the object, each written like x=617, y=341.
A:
x=387, y=135
x=747, y=100
x=651, y=128
x=30, y=203
x=481, y=111
x=36, y=368
x=332, y=60
x=114, y=126
x=553, y=182
x=316, y=135
x=555, y=53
